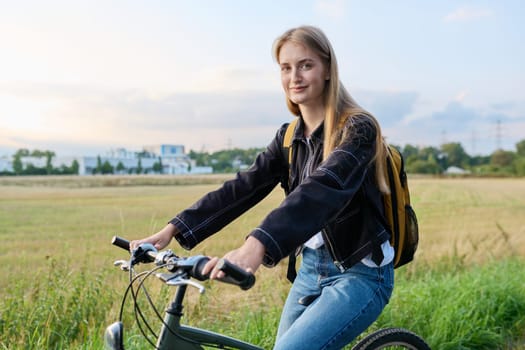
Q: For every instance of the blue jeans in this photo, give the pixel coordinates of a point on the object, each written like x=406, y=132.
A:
x=346, y=305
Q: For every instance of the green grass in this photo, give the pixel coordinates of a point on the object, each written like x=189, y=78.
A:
x=474, y=307
x=59, y=289
x=458, y=307
x=62, y=310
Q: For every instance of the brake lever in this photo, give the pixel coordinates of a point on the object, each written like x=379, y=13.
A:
x=123, y=264
x=175, y=279
x=184, y=282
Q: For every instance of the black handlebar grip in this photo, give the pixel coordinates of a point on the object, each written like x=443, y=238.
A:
x=196, y=272
x=236, y=275
x=120, y=242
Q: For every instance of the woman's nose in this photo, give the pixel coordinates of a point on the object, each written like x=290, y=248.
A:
x=296, y=76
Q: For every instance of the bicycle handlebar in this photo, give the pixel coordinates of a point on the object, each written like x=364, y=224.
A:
x=146, y=253
x=120, y=242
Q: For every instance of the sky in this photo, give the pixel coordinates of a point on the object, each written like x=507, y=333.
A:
x=85, y=77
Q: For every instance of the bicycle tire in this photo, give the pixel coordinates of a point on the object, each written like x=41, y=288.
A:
x=392, y=338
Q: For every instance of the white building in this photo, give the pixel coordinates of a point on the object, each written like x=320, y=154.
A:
x=171, y=157
x=454, y=170
x=174, y=151
x=121, y=153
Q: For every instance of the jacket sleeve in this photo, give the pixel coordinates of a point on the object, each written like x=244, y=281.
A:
x=218, y=208
x=314, y=203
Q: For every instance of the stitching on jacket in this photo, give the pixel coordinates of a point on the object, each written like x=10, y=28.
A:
x=372, y=240
x=190, y=233
x=346, y=152
x=339, y=181
x=332, y=175
x=273, y=240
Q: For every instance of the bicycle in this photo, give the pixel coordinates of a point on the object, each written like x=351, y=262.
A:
x=182, y=273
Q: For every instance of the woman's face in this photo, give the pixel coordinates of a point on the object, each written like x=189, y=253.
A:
x=303, y=74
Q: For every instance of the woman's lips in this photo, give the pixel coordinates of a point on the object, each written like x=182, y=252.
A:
x=297, y=88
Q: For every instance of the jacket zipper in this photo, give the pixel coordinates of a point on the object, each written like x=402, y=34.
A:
x=331, y=249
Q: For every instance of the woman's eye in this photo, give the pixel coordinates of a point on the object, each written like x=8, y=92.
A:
x=305, y=66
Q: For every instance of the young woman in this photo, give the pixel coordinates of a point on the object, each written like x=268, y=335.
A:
x=334, y=180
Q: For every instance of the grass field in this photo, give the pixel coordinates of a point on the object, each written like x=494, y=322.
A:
x=59, y=289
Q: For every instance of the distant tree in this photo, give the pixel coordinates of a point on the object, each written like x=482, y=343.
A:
x=479, y=160
x=33, y=170
x=64, y=169
x=38, y=153
x=157, y=166
x=23, y=152
x=49, y=161
x=106, y=168
x=419, y=166
x=501, y=158
x=429, y=152
x=520, y=148
x=98, y=169
x=75, y=167
x=120, y=167
x=519, y=166
x=18, y=167
x=222, y=162
x=139, y=166
x=201, y=158
x=409, y=151
x=248, y=156
x=455, y=154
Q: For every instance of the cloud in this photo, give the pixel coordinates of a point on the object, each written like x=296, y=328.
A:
x=88, y=120
x=480, y=131
x=85, y=115
x=389, y=107
x=464, y=14
x=460, y=97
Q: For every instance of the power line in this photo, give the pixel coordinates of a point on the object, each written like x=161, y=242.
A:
x=498, y=134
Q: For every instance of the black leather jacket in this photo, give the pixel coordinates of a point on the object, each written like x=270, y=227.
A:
x=333, y=198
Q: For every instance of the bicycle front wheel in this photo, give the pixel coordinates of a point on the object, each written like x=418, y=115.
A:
x=392, y=339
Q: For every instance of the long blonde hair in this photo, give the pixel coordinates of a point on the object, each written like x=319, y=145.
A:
x=339, y=105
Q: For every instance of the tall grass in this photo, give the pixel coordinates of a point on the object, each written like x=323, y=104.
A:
x=63, y=310
x=59, y=291
x=454, y=306
x=451, y=305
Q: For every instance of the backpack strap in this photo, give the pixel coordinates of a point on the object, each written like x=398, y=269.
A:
x=287, y=148
x=287, y=141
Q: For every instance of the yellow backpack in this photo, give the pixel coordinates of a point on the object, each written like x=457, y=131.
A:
x=400, y=216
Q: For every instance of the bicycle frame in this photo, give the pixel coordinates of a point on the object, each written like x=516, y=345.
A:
x=177, y=336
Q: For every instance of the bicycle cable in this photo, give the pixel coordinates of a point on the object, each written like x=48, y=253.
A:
x=140, y=278
x=147, y=274
x=139, y=315
x=159, y=316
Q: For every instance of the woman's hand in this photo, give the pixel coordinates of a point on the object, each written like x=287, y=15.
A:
x=159, y=240
x=249, y=257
